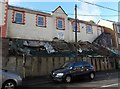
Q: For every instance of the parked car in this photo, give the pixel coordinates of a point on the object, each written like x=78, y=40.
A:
x=73, y=70
x=9, y=80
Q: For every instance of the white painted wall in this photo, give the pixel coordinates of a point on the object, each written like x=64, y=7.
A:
x=106, y=24
x=112, y=26
x=30, y=31
x=60, y=13
x=83, y=35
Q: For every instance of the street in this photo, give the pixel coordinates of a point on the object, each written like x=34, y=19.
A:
x=103, y=80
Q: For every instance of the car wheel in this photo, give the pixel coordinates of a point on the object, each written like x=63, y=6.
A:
x=92, y=75
x=9, y=85
x=68, y=79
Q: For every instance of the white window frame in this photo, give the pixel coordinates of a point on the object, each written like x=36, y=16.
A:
x=15, y=17
x=118, y=29
x=73, y=26
x=62, y=23
x=119, y=40
x=43, y=21
x=87, y=29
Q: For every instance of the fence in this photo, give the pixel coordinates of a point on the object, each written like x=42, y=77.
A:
x=40, y=66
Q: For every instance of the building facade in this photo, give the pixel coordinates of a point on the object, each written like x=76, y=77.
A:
x=24, y=23
x=3, y=17
x=116, y=26
x=114, y=30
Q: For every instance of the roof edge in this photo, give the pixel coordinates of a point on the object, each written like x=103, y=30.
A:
x=28, y=10
x=62, y=10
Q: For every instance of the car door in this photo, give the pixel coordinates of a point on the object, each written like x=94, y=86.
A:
x=88, y=67
x=77, y=69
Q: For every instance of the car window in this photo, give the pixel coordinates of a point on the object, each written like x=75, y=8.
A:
x=78, y=65
x=67, y=65
x=81, y=64
x=86, y=64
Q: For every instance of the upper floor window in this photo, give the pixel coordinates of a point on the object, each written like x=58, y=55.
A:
x=118, y=29
x=19, y=17
x=89, y=29
x=60, y=22
x=119, y=40
x=41, y=21
x=73, y=26
x=99, y=30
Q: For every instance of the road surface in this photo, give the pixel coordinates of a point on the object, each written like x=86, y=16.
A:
x=103, y=80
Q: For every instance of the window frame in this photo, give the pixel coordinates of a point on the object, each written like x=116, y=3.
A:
x=99, y=30
x=63, y=23
x=44, y=18
x=119, y=40
x=118, y=29
x=78, y=26
x=87, y=29
x=14, y=16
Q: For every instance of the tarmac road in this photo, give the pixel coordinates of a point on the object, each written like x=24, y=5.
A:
x=103, y=80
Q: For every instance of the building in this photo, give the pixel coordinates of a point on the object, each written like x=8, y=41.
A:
x=116, y=26
x=114, y=30
x=34, y=31
x=104, y=40
x=3, y=17
x=24, y=23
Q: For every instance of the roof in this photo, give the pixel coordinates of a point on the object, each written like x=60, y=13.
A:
x=28, y=10
x=48, y=14
x=61, y=9
x=82, y=21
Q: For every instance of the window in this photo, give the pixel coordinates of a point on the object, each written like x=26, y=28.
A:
x=118, y=29
x=67, y=65
x=78, y=65
x=41, y=21
x=86, y=64
x=19, y=17
x=89, y=29
x=73, y=26
x=60, y=23
x=60, y=35
x=99, y=30
x=119, y=40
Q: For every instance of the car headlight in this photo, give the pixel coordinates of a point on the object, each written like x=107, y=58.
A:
x=59, y=75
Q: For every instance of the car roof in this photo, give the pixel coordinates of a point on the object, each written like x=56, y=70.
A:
x=78, y=62
x=81, y=62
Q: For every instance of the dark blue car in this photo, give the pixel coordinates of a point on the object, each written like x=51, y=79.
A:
x=72, y=70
